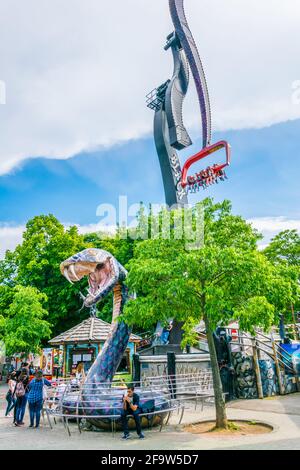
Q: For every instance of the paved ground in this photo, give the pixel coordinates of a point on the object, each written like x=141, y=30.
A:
x=283, y=413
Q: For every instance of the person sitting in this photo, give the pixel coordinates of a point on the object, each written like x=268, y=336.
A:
x=131, y=403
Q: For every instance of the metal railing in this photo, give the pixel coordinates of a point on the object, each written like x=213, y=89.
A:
x=97, y=401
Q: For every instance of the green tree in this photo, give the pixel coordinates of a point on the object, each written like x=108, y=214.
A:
x=227, y=278
x=284, y=252
x=36, y=262
x=23, y=324
x=285, y=247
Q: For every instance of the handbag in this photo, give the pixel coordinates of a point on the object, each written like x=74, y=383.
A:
x=20, y=390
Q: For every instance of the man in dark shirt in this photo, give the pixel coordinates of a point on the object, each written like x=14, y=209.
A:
x=131, y=403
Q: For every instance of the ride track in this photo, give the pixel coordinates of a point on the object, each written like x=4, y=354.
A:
x=169, y=131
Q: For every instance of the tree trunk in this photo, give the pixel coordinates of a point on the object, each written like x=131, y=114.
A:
x=221, y=416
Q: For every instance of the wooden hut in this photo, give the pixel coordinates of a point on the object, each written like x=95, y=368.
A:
x=83, y=342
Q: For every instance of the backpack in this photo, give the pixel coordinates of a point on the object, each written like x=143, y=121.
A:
x=20, y=390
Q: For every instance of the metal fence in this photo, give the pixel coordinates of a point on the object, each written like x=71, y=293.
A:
x=70, y=399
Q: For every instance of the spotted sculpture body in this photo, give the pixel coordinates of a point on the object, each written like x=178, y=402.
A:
x=87, y=263
x=98, y=398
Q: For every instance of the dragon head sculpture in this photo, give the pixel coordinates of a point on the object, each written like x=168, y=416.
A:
x=100, y=267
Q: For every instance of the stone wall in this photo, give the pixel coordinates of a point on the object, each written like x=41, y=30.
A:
x=268, y=378
x=245, y=380
x=153, y=366
x=245, y=377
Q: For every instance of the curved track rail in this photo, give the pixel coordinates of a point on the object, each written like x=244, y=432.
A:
x=191, y=51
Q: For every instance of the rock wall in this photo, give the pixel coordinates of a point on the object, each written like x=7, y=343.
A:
x=245, y=378
x=268, y=378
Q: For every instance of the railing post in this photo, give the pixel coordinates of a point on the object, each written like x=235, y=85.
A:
x=277, y=366
x=172, y=373
x=296, y=377
x=257, y=370
x=136, y=369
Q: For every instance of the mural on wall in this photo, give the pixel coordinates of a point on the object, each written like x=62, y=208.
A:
x=47, y=361
x=245, y=378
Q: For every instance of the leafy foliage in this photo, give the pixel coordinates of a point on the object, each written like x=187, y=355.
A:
x=45, y=244
x=217, y=280
x=285, y=247
x=224, y=279
x=284, y=253
x=24, y=325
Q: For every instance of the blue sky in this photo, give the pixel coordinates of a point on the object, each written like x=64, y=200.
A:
x=263, y=179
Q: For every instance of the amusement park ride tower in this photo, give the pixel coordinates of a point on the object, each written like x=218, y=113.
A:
x=170, y=133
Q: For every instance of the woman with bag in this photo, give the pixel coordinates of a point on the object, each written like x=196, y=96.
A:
x=37, y=395
x=21, y=394
x=10, y=396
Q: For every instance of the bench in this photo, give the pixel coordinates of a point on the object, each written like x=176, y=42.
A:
x=174, y=406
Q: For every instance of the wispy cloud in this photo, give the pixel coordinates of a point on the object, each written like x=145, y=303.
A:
x=11, y=236
x=271, y=226
x=79, y=77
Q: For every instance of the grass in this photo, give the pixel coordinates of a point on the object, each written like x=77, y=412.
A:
x=126, y=378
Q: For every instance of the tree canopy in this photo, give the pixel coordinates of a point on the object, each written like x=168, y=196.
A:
x=224, y=278
x=235, y=279
x=219, y=280
x=24, y=324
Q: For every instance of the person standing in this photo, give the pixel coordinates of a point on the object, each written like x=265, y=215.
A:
x=21, y=394
x=80, y=373
x=36, y=398
x=31, y=369
x=10, y=396
x=131, y=403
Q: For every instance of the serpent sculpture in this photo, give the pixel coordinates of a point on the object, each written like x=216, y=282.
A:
x=98, y=398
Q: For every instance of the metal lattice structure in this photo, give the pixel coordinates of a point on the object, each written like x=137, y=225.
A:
x=162, y=395
x=170, y=133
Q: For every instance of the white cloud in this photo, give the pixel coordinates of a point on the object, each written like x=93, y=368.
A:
x=97, y=228
x=76, y=73
x=10, y=237
x=271, y=226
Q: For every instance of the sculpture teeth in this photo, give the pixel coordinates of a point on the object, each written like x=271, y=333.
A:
x=66, y=274
x=73, y=272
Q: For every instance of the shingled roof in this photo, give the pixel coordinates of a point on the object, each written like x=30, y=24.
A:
x=90, y=330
